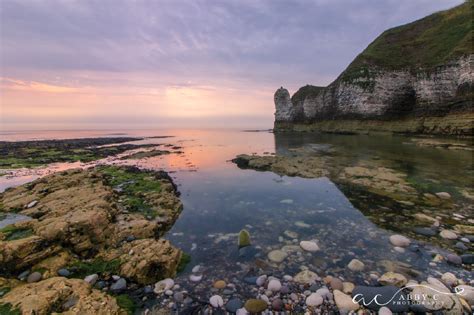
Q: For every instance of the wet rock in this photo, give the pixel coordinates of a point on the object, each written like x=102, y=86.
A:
x=274, y=285
x=443, y=195
x=336, y=284
x=464, y=229
x=344, y=302
x=163, y=285
x=314, y=299
x=356, y=265
x=392, y=278
x=461, y=246
x=233, y=305
x=219, y=284
x=390, y=296
x=251, y=280
x=244, y=238
x=277, y=256
x=277, y=305
x=216, y=301
x=435, y=300
x=324, y=292
x=399, y=240
x=64, y=272
x=425, y=218
x=91, y=279
x=466, y=292
x=120, y=285
x=448, y=234
x=41, y=297
x=290, y=234
x=467, y=259
x=454, y=259
x=305, y=277
x=34, y=277
x=384, y=311
x=424, y=231
x=255, y=305
x=261, y=280
x=195, y=278
x=22, y=276
x=347, y=287
x=449, y=279
x=178, y=297
x=309, y=246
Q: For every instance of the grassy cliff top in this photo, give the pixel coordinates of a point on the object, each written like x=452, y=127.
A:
x=303, y=92
x=426, y=43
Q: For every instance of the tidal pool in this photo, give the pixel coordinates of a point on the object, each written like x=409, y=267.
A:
x=279, y=211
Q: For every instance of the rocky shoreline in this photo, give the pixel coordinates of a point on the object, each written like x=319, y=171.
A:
x=89, y=233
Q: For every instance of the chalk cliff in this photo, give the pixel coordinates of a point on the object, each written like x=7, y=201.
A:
x=415, y=78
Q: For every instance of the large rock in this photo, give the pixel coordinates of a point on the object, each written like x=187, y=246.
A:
x=376, y=297
x=61, y=295
x=284, y=106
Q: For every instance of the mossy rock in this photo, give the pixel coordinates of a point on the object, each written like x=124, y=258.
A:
x=255, y=306
x=244, y=238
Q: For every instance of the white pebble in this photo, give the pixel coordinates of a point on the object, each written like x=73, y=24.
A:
x=216, y=301
x=314, y=300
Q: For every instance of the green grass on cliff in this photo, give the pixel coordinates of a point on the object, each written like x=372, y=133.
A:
x=305, y=91
x=425, y=43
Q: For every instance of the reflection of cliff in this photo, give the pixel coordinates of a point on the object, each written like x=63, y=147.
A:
x=412, y=78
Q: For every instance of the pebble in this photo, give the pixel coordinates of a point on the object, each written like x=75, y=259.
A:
x=309, y=246
x=241, y=311
x=115, y=277
x=261, y=280
x=443, y=195
x=163, y=285
x=219, y=284
x=461, y=246
x=169, y=292
x=324, y=292
x=336, y=284
x=385, y=311
x=64, y=272
x=454, y=259
x=306, y=277
x=34, y=277
x=32, y=204
x=178, y=297
x=196, y=269
x=274, y=285
x=233, y=305
x=467, y=259
x=216, y=301
x=255, y=305
x=424, y=231
x=314, y=300
x=195, y=278
x=120, y=285
x=277, y=305
x=277, y=256
x=250, y=280
x=399, y=240
x=344, y=302
x=22, y=276
x=91, y=279
x=448, y=234
x=356, y=265
x=392, y=278
x=347, y=287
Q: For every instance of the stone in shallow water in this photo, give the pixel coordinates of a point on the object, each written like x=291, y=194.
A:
x=467, y=259
x=163, y=285
x=448, y=234
x=216, y=301
x=255, y=305
x=309, y=246
x=356, y=265
x=399, y=240
x=336, y=284
x=454, y=259
x=274, y=285
x=424, y=231
x=120, y=285
x=277, y=305
x=389, y=296
x=392, y=278
x=233, y=305
x=277, y=256
x=306, y=277
x=314, y=299
x=344, y=302
x=219, y=284
x=244, y=238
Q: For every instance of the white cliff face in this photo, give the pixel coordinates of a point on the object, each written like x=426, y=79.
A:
x=382, y=95
x=283, y=105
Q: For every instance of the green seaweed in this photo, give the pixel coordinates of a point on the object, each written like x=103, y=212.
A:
x=12, y=232
x=126, y=303
x=183, y=262
x=8, y=309
x=80, y=269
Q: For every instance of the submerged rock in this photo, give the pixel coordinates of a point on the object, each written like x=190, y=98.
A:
x=244, y=238
x=400, y=240
x=277, y=256
x=309, y=246
x=255, y=305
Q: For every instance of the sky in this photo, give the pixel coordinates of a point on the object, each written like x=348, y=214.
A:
x=132, y=64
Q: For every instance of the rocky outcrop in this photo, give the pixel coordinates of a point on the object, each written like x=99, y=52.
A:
x=60, y=295
x=395, y=85
x=108, y=213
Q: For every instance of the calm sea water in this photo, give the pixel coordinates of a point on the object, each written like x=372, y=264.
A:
x=220, y=199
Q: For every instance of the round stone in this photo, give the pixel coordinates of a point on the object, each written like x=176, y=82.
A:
x=274, y=285
x=448, y=234
x=454, y=259
x=356, y=265
x=216, y=301
x=306, y=277
x=392, y=278
x=385, y=311
x=443, y=195
x=64, y=272
x=344, y=302
x=277, y=305
x=178, y=297
x=34, y=277
x=120, y=285
x=91, y=279
x=309, y=246
x=163, y=285
x=399, y=240
x=261, y=280
x=336, y=284
x=314, y=299
x=233, y=305
x=195, y=278
x=255, y=305
x=277, y=256
x=219, y=284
